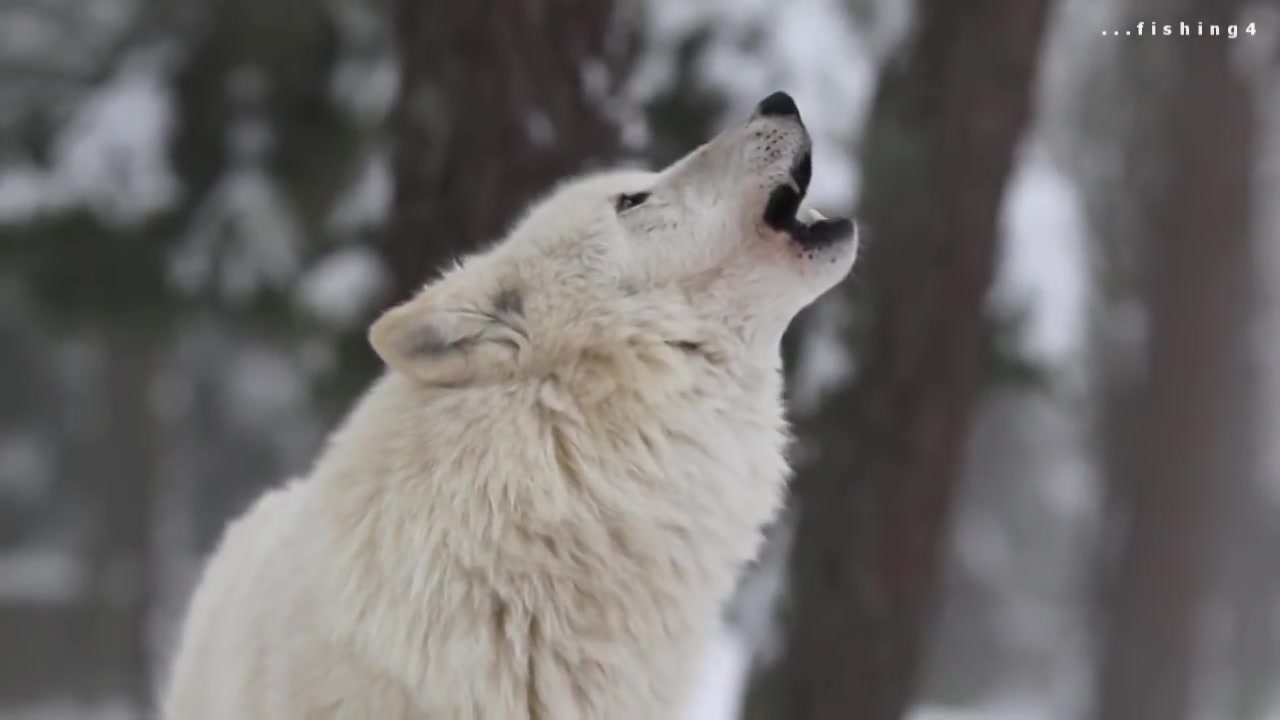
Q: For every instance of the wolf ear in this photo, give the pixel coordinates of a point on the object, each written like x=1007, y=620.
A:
x=439, y=342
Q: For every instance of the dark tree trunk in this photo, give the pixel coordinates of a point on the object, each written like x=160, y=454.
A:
x=115, y=642
x=941, y=143
x=1186, y=443
x=500, y=100
x=1251, y=586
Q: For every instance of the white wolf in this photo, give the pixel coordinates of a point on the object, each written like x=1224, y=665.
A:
x=539, y=509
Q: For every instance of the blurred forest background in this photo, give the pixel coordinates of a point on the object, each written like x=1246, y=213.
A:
x=1033, y=476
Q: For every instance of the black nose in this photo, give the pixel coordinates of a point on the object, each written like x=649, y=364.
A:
x=779, y=104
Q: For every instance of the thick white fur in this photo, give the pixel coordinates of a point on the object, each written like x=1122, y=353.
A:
x=538, y=511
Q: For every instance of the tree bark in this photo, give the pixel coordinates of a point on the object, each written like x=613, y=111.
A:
x=500, y=100
x=1186, y=446
x=942, y=139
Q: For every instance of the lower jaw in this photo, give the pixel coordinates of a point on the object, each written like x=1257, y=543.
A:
x=822, y=233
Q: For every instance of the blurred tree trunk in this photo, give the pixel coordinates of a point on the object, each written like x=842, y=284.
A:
x=115, y=642
x=1185, y=442
x=1252, y=586
x=873, y=504
x=500, y=100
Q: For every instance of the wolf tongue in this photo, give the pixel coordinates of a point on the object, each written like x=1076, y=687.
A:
x=780, y=213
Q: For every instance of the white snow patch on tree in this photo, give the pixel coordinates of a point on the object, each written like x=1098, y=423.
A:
x=40, y=576
x=719, y=694
x=111, y=157
x=367, y=203
x=343, y=286
x=1042, y=263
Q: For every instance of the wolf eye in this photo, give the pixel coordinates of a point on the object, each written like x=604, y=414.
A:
x=630, y=200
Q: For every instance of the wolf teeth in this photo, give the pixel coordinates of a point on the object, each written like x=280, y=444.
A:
x=815, y=216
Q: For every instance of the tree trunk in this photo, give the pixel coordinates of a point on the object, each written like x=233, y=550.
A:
x=943, y=134
x=500, y=100
x=115, y=642
x=1183, y=447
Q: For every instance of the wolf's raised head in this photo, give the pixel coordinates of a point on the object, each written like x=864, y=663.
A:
x=712, y=250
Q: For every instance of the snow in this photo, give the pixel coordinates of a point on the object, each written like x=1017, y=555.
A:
x=367, y=78
x=263, y=387
x=825, y=361
x=539, y=128
x=78, y=32
x=367, y=203
x=1000, y=709
x=367, y=87
x=115, y=153
x=719, y=694
x=343, y=285
x=728, y=659
x=40, y=576
x=245, y=236
x=112, y=156
x=596, y=81
x=27, y=190
x=26, y=466
x=1042, y=265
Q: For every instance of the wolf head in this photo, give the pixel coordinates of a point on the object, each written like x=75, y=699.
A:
x=708, y=252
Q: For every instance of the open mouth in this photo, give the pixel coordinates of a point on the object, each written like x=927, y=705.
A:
x=784, y=204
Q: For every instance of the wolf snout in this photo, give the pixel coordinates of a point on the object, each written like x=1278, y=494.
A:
x=779, y=104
